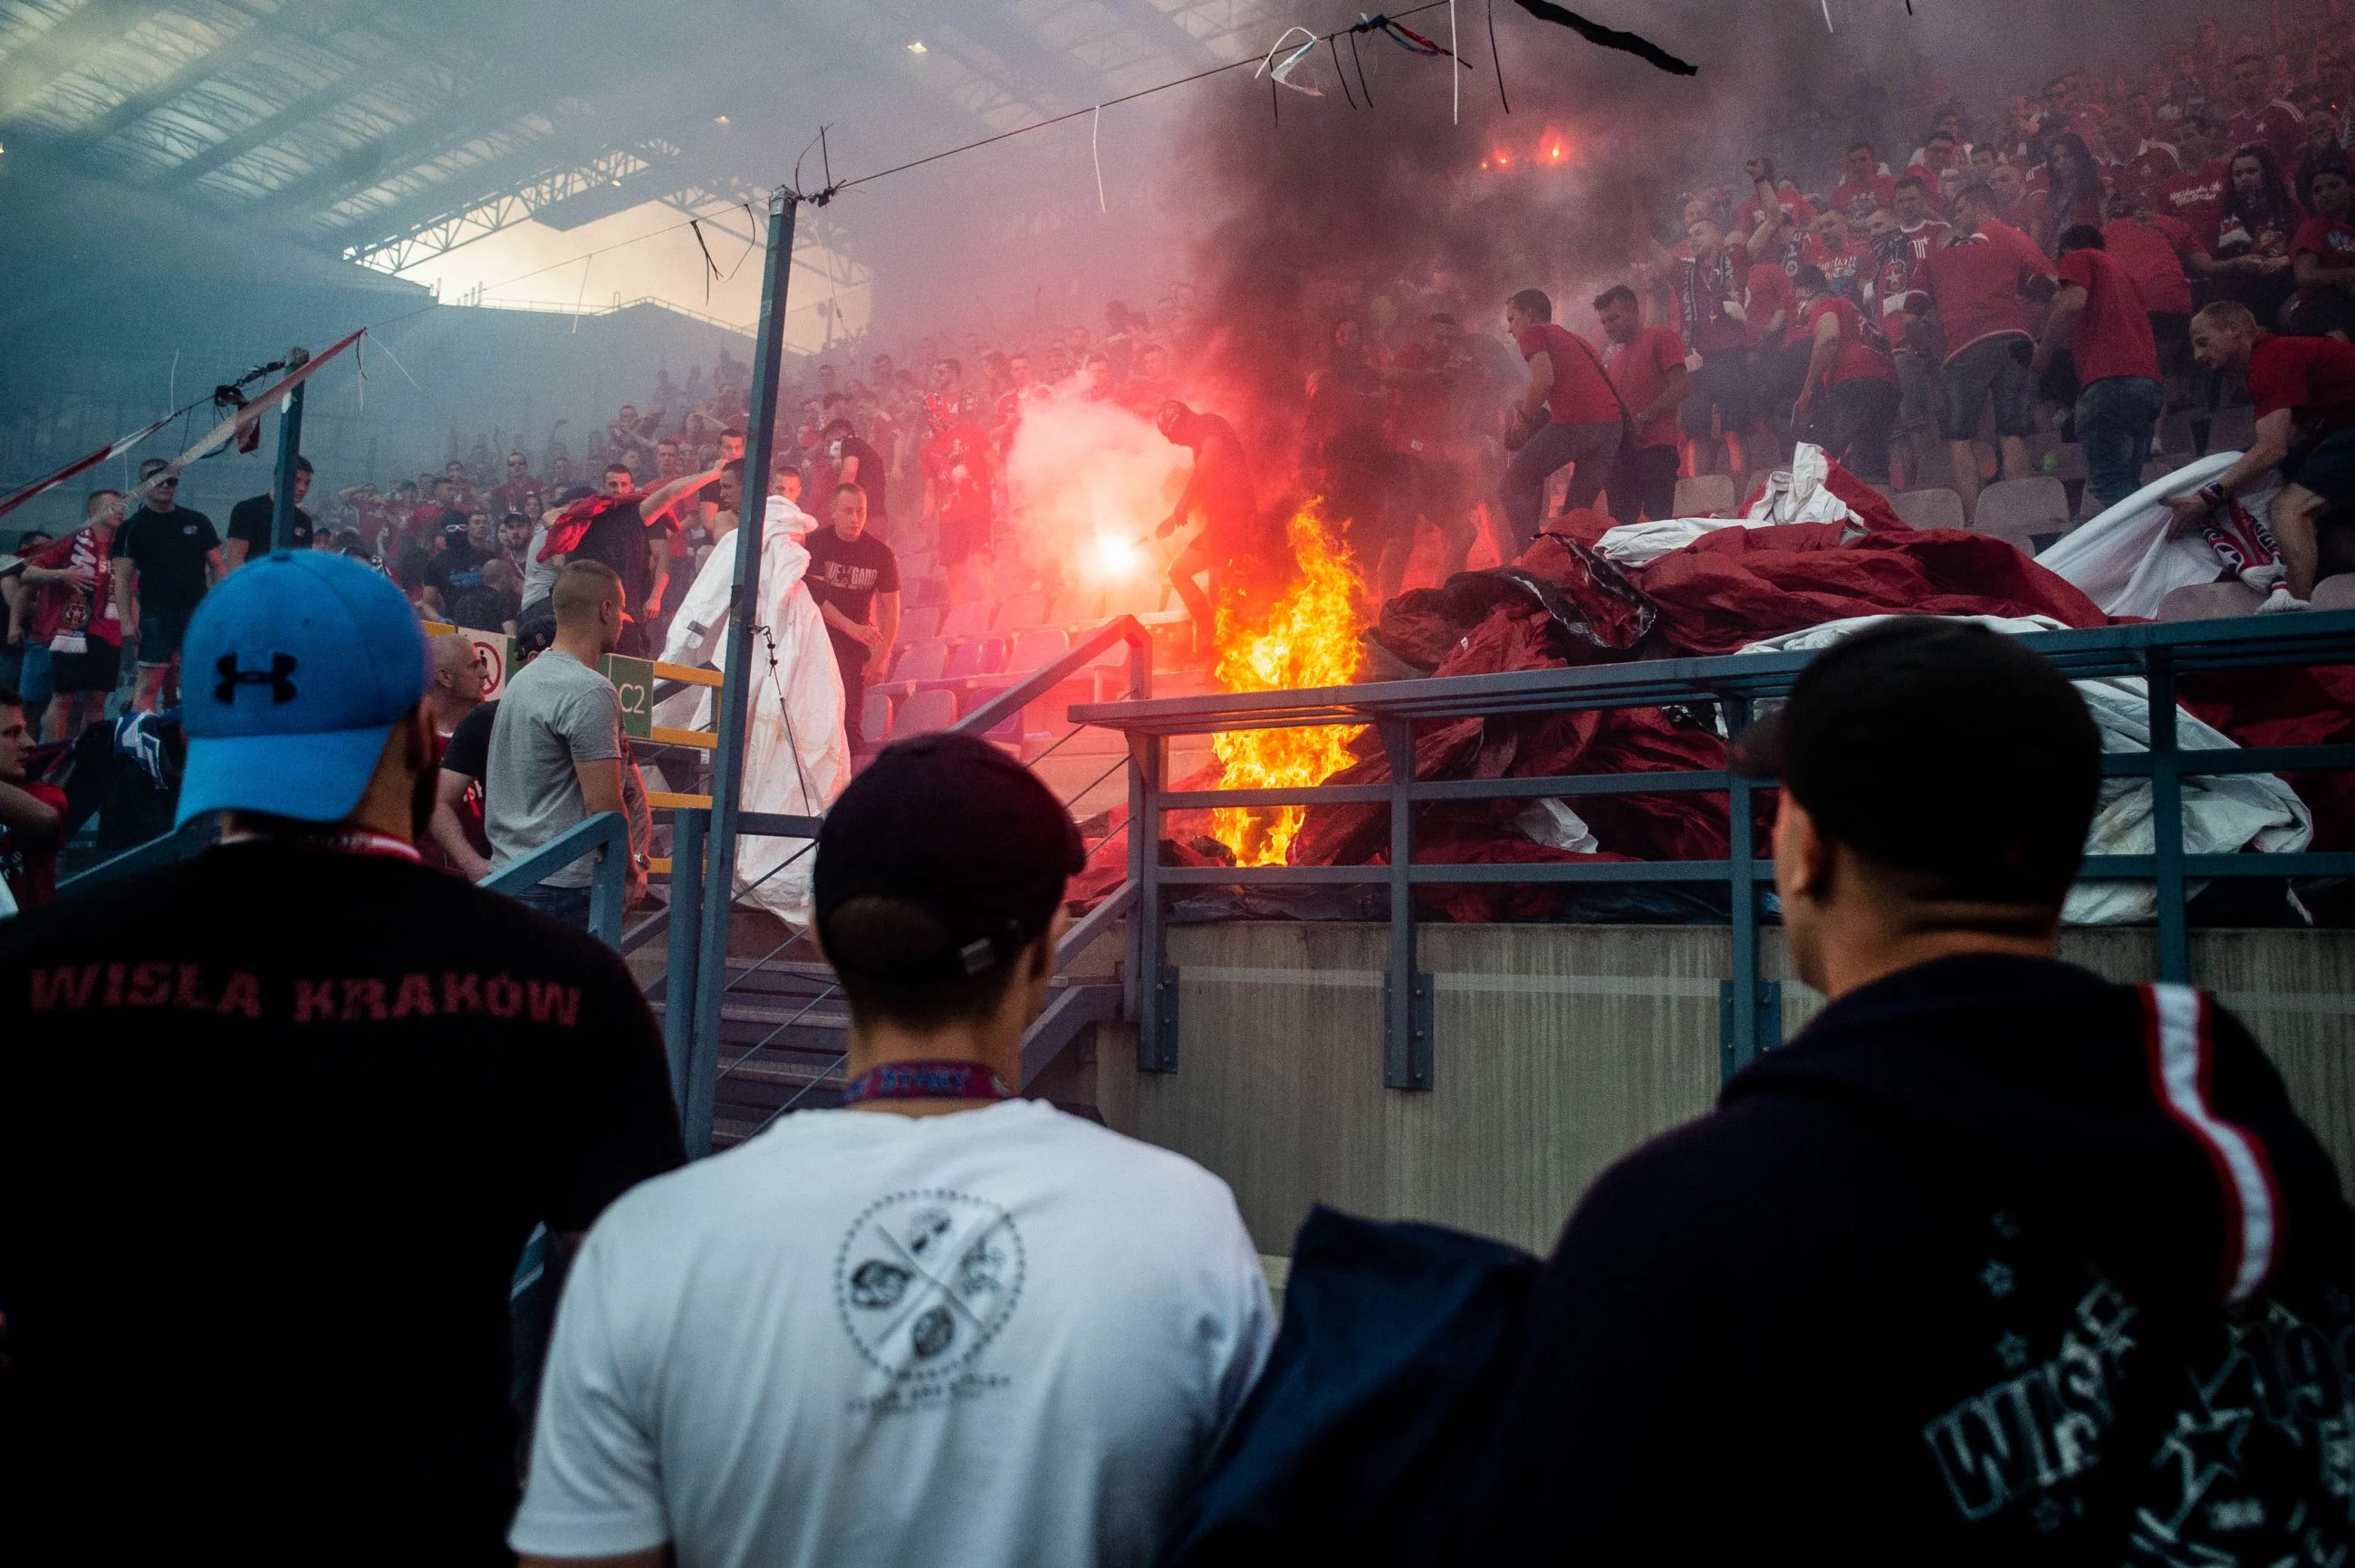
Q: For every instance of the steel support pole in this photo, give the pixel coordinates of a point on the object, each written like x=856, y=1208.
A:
x=289, y=447
x=1742, y=884
x=684, y=940
x=743, y=601
x=1406, y=991
x=2167, y=822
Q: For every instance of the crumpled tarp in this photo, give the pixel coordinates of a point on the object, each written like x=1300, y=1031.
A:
x=2222, y=812
x=1739, y=585
x=2125, y=561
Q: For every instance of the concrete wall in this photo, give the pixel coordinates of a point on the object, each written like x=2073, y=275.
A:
x=1557, y=1048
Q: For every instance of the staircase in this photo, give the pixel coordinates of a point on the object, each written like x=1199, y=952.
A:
x=783, y=1034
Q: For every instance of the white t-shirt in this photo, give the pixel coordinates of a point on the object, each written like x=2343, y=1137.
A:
x=1000, y=1337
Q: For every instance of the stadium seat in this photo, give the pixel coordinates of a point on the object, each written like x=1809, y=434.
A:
x=2210, y=602
x=977, y=656
x=875, y=721
x=921, y=626
x=1021, y=613
x=966, y=619
x=1929, y=508
x=1704, y=496
x=2029, y=513
x=1036, y=648
x=922, y=661
x=2335, y=592
x=923, y=713
x=923, y=590
x=1077, y=607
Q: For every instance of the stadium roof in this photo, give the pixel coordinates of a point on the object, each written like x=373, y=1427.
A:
x=388, y=131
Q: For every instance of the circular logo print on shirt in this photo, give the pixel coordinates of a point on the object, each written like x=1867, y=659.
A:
x=925, y=1279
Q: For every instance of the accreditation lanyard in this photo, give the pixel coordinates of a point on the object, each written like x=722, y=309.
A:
x=340, y=841
x=927, y=1080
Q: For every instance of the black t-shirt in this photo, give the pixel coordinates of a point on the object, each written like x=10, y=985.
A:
x=621, y=539
x=169, y=548
x=481, y=608
x=250, y=521
x=849, y=573
x=469, y=748
x=459, y=566
x=873, y=477
x=274, y=1127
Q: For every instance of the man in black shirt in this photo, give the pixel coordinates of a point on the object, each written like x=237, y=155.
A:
x=459, y=566
x=634, y=539
x=281, y=1273
x=166, y=557
x=857, y=463
x=252, y=520
x=855, y=578
x=1996, y=1262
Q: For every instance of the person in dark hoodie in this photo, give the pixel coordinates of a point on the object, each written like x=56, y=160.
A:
x=1997, y=1261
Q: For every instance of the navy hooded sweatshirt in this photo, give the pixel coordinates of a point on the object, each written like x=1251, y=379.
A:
x=1994, y=1262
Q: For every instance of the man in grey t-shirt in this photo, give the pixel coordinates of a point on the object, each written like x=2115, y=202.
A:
x=556, y=748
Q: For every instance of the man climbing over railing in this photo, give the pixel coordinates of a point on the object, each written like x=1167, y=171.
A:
x=275, y=1122
x=942, y=1325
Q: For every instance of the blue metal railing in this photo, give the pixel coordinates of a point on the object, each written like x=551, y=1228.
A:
x=606, y=835
x=2158, y=653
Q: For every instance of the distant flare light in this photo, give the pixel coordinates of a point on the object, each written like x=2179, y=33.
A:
x=1117, y=558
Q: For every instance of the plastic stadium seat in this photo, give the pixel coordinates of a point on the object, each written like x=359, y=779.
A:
x=2029, y=513
x=1929, y=508
x=967, y=620
x=1703, y=496
x=921, y=626
x=2210, y=602
x=922, y=661
x=1021, y=613
x=1036, y=648
x=923, y=590
x=923, y=713
x=978, y=656
x=875, y=721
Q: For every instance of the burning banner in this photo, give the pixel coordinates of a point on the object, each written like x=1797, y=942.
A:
x=1308, y=639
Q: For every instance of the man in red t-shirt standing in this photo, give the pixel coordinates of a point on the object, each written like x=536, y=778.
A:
x=78, y=617
x=1862, y=186
x=1979, y=284
x=32, y=816
x=2156, y=252
x=1568, y=414
x=2099, y=315
x=2260, y=118
x=1846, y=361
x=1706, y=294
x=1646, y=365
x=2304, y=390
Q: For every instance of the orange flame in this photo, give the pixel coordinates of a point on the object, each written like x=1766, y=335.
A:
x=1309, y=638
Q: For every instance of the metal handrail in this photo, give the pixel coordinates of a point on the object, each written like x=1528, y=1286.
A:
x=608, y=832
x=1044, y=680
x=2157, y=653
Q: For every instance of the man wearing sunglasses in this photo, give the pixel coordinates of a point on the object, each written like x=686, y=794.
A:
x=166, y=557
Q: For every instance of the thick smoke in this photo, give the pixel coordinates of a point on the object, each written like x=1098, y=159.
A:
x=1086, y=481
x=1385, y=211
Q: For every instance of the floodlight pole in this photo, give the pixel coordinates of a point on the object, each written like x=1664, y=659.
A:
x=289, y=447
x=710, y=972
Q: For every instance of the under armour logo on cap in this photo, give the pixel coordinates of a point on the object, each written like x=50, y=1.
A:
x=276, y=678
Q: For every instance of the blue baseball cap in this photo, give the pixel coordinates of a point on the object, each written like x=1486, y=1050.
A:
x=292, y=673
